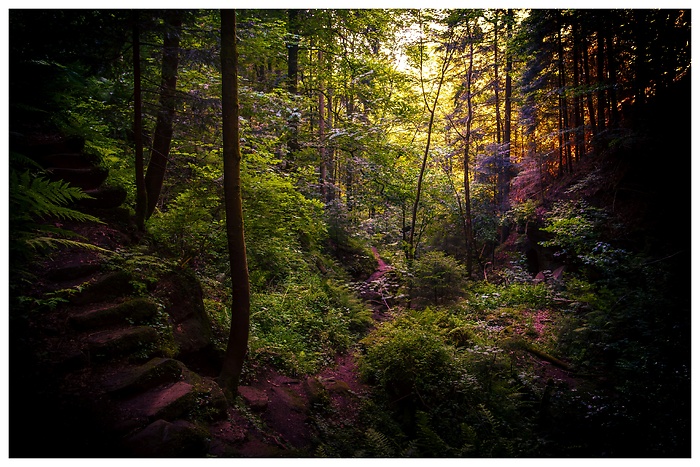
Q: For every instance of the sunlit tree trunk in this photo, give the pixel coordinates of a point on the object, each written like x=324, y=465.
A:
x=141, y=195
x=240, y=286
x=587, y=81
x=449, y=51
x=564, y=141
x=163, y=134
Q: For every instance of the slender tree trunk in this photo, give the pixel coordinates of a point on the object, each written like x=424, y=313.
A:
x=323, y=149
x=240, y=287
x=498, y=194
x=141, y=195
x=600, y=61
x=612, y=79
x=505, y=172
x=163, y=134
x=578, y=103
x=564, y=129
x=292, y=75
x=587, y=80
x=431, y=109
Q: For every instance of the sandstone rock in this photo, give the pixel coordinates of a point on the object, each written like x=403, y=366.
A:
x=117, y=342
x=165, y=439
x=254, y=398
x=153, y=373
x=137, y=310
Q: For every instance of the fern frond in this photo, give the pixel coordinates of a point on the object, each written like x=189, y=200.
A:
x=379, y=443
x=38, y=243
x=37, y=197
x=20, y=160
x=430, y=443
x=486, y=413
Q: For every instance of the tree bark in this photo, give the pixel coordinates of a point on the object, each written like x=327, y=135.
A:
x=587, y=80
x=163, y=134
x=141, y=195
x=505, y=170
x=600, y=57
x=240, y=286
x=431, y=109
x=292, y=75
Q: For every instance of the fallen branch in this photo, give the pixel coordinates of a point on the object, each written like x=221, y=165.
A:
x=544, y=356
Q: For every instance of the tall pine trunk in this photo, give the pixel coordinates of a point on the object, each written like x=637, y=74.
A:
x=240, y=286
x=163, y=134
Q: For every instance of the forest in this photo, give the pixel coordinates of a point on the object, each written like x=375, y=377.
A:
x=349, y=233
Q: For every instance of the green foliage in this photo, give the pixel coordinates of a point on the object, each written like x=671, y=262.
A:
x=281, y=225
x=405, y=359
x=486, y=296
x=577, y=231
x=143, y=266
x=448, y=382
x=300, y=326
x=34, y=202
x=437, y=277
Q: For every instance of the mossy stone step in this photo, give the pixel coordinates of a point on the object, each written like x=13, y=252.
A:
x=164, y=439
x=168, y=402
x=106, y=287
x=70, y=160
x=85, y=178
x=138, y=310
x=155, y=372
x=119, y=342
x=104, y=197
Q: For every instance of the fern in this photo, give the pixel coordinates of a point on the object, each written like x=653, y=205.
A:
x=34, y=199
x=430, y=443
x=379, y=443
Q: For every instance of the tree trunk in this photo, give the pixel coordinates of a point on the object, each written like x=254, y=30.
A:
x=589, y=93
x=323, y=150
x=431, y=109
x=141, y=195
x=240, y=286
x=600, y=58
x=163, y=134
x=564, y=108
x=505, y=171
x=612, y=79
x=467, y=139
x=292, y=75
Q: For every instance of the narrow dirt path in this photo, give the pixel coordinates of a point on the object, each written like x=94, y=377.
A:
x=285, y=405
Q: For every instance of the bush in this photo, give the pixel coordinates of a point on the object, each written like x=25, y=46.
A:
x=302, y=325
x=437, y=277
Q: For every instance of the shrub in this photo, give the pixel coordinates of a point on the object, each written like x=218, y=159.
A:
x=437, y=277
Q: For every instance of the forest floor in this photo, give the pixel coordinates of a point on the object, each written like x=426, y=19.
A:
x=292, y=408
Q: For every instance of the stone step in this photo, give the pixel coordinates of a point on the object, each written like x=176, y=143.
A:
x=138, y=310
x=105, y=287
x=191, y=397
x=38, y=148
x=85, y=178
x=104, y=197
x=73, y=160
x=168, y=402
x=119, y=342
x=163, y=439
x=155, y=372
x=70, y=272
